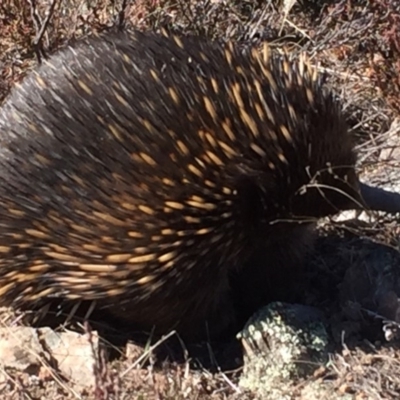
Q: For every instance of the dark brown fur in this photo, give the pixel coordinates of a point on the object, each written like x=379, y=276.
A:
x=142, y=172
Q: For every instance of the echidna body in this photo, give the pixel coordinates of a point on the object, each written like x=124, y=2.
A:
x=141, y=171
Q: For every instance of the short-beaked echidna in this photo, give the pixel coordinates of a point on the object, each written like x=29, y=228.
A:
x=140, y=171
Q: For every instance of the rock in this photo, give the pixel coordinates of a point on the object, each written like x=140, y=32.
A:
x=371, y=287
x=37, y=351
x=282, y=342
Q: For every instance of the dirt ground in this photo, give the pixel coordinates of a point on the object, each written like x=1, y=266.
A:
x=357, y=44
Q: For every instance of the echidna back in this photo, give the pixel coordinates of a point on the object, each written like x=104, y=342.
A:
x=139, y=170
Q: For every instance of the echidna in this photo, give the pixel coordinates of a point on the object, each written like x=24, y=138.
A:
x=141, y=171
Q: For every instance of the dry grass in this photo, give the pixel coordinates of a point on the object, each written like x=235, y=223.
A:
x=358, y=46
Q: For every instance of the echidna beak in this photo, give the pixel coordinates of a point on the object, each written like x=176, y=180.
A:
x=378, y=199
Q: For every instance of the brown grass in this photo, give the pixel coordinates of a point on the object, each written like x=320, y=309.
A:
x=357, y=44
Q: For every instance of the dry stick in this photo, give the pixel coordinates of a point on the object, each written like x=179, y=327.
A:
x=37, y=22
x=121, y=15
x=38, y=40
x=149, y=350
